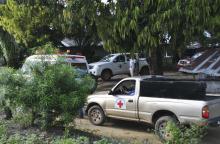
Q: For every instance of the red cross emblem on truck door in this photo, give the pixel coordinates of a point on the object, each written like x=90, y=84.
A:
x=120, y=104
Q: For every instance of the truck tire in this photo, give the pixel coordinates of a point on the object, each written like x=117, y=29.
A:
x=160, y=127
x=106, y=75
x=95, y=84
x=144, y=71
x=96, y=115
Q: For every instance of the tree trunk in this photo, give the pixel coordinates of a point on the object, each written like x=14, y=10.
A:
x=10, y=49
x=175, y=57
x=156, y=61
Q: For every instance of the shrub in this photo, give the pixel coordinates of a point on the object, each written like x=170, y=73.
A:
x=56, y=93
x=185, y=135
x=8, y=86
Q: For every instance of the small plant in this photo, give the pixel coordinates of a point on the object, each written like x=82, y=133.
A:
x=80, y=140
x=34, y=139
x=185, y=135
x=103, y=141
x=3, y=132
x=22, y=117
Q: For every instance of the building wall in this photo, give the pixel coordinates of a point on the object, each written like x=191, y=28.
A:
x=2, y=1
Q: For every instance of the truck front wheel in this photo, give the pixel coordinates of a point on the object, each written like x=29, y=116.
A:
x=106, y=75
x=96, y=115
x=161, y=127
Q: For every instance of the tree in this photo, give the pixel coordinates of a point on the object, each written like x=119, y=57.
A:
x=213, y=25
x=145, y=24
x=27, y=24
x=35, y=22
x=78, y=23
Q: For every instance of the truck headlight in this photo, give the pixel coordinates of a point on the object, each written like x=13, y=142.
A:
x=91, y=67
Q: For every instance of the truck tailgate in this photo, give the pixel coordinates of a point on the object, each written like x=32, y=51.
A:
x=214, y=108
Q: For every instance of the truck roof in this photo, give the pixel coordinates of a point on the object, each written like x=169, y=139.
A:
x=55, y=57
x=141, y=78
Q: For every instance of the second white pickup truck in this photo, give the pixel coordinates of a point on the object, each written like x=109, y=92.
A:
x=116, y=64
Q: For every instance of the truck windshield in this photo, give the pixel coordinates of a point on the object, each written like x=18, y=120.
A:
x=107, y=58
x=81, y=66
x=30, y=65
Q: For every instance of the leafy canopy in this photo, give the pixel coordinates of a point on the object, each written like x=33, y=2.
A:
x=144, y=24
x=29, y=22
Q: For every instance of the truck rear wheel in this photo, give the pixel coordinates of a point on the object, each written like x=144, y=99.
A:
x=96, y=115
x=144, y=71
x=161, y=127
x=106, y=75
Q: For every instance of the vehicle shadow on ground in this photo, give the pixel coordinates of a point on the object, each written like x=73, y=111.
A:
x=129, y=125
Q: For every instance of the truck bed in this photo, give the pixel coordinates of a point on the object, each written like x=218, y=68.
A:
x=210, y=97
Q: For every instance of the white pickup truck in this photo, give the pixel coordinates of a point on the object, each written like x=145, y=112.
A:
x=116, y=64
x=155, y=100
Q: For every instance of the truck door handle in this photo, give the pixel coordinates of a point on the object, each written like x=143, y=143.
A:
x=131, y=101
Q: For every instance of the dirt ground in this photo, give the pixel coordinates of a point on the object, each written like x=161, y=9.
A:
x=131, y=131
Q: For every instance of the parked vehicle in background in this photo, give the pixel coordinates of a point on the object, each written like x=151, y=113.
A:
x=116, y=64
x=155, y=100
x=188, y=61
x=77, y=61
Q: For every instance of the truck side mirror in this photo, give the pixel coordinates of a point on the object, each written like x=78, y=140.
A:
x=110, y=92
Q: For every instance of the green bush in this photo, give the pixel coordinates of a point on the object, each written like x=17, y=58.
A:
x=56, y=93
x=185, y=135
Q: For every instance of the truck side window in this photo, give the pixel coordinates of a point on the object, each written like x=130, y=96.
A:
x=173, y=89
x=128, y=57
x=125, y=88
x=120, y=58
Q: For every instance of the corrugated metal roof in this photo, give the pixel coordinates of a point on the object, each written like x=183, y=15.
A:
x=208, y=63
